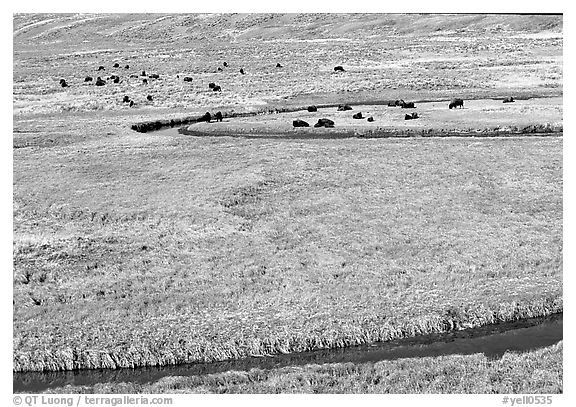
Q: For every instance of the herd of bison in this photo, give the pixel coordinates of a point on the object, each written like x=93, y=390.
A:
x=208, y=117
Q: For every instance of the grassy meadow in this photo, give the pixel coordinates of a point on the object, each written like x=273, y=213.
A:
x=535, y=372
x=134, y=249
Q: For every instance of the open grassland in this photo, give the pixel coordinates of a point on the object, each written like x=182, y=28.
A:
x=478, y=118
x=536, y=372
x=142, y=249
x=151, y=249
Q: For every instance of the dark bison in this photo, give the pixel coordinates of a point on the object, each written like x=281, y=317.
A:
x=116, y=79
x=217, y=88
x=338, y=68
x=225, y=64
x=357, y=116
x=312, y=108
x=134, y=76
x=399, y=102
x=63, y=83
x=211, y=85
x=126, y=99
x=126, y=66
x=187, y=79
x=145, y=81
x=132, y=103
x=88, y=79
x=509, y=99
x=100, y=68
x=407, y=105
x=143, y=73
x=100, y=82
x=342, y=108
x=206, y=118
x=242, y=71
x=278, y=65
x=454, y=103
x=154, y=76
x=116, y=65
x=218, y=116
x=219, y=69
x=414, y=115
x=149, y=98
x=370, y=119
x=300, y=123
x=324, y=123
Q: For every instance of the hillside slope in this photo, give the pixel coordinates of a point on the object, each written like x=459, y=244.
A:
x=89, y=30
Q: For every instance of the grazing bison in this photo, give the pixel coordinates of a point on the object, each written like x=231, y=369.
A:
x=278, y=65
x=312, y=108
x=225, y=64
x=116, y=65
x=509, y=99
x=357, y=116
x=454, y=103
x=126, y=66
x=399, y=102
x=126, y=99
x=149, y=98
x=342, y=108
x=63, y=83
x=414, y=115
x=145, y=81
x=211, y=85
x=219, y=69
x=324, y=123
x=88, y=79
x=242, y=71
x=132, y=103
x=338, y=68
x=187, y=79
x=101, y=68
x=217, y=88
x=408, y=105
x=206, y=118
x=218, y=116
x=100, y=82
x=154, y=76
x=116, y=79
x=370, y=119
x=300, y=123
x=143, y=73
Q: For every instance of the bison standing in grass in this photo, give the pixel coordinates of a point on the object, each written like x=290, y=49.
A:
x=407, y=105
x=342, y=108
x=412, y=116
x=187, y=79
x=338, y=68
x=509, y=99
x=217, y=88
x=100, y=82
x=312, y=108
x=454, y=103
x=357, y=116
x=370, y=119
x=218, y=116
x=88, y=79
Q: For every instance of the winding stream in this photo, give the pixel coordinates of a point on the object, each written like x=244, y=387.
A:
x=492, y=340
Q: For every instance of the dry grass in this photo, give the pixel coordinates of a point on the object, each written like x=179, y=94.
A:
x=535, y=372
x=142, y=249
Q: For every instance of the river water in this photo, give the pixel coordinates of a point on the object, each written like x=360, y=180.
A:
x=492, y=340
